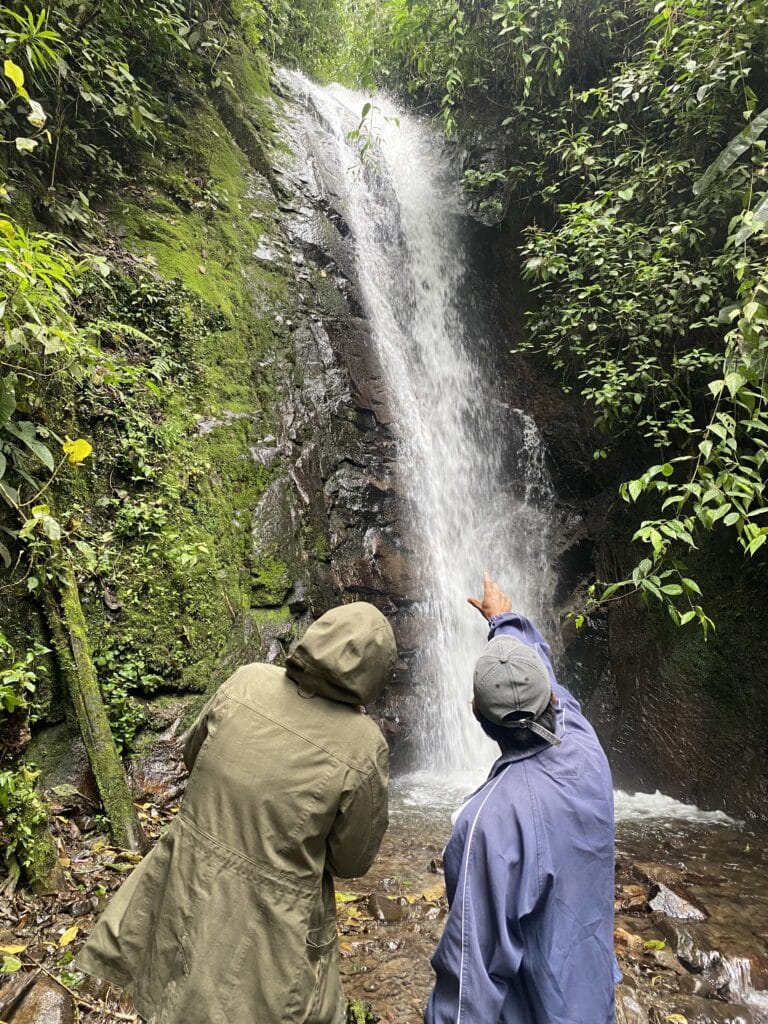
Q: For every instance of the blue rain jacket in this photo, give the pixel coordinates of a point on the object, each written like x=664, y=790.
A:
x=529, y=871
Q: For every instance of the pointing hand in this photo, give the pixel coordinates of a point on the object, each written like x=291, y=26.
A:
x=493, y=602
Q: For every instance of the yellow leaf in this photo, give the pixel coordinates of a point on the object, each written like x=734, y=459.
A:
x=12, y=949
x=78, y=450
x=676, y=1018
x=347, y=897
x=69, y=935
x=16, y=75
x=436, y=893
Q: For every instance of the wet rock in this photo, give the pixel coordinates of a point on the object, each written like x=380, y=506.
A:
x=628, y=943
x=159, y=774
x=660, y=874
x=45, y=1002
x=384, y=908
x=695, y=985
x=667, y=960
x=13, y=993
x=694, y=1010
x=298, y=599
x=629, y=1009
x=664, y=901
x=207, y=424
x=631, y=898
x=263, y=455
x=731, y=960
x=82, y=907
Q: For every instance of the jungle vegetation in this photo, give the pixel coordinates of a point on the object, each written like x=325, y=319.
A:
x=629, y=153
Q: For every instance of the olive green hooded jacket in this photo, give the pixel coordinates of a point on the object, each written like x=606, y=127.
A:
x=231, y=919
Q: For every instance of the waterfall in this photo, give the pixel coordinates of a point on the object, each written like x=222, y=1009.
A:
x=458, y=440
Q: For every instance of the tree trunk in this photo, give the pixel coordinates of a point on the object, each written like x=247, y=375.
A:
x=70, y=637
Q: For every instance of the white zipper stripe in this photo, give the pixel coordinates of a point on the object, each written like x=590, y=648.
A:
x=464, y=889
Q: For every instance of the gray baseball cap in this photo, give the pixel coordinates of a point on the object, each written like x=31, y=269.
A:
x=512, y=687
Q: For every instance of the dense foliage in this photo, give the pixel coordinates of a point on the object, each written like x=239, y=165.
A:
x=627, y=138
x=89, y=335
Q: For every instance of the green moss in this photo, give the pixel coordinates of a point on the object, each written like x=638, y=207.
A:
x=34, y=846
x=171, y=600
x=271, y=582
x=360, y=1012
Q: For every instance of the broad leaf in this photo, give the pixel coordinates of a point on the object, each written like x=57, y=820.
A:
x=16, y=75
x=25, y=431
x=738, y=145
x=7, y=400
x=24, y=145
x=757, y=221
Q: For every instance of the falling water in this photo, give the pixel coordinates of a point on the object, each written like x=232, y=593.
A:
x=405, y=212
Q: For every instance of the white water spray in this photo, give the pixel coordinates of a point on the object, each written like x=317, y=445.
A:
x=404, y=209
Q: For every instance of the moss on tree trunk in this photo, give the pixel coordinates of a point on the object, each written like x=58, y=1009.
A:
x=70, y=638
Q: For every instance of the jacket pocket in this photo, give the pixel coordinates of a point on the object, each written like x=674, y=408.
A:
x=321, y=941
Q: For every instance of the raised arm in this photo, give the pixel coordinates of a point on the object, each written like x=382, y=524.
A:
x=496, y=607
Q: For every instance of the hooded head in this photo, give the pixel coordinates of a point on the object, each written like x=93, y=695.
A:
x=347, y=655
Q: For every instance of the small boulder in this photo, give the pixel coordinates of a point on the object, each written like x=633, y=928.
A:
x=45, y=1002
x=659, y=874
x=664, y=901
x=385, y=909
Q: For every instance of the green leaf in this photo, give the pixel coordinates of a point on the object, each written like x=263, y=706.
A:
x=734, y=382
x=757, y=220
x=26, y=433
x=738, y=145
x=16, y=75
x=10, y=964
x=691, y=586
x=756, y=544
x=24, y=145
x=36, y=116
x=7, y=399
x=51, y=528
x=635, y=489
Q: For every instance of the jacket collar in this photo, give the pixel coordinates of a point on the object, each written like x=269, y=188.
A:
x=536, y=746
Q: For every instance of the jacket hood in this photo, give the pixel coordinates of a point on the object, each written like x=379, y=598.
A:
x=347, y=655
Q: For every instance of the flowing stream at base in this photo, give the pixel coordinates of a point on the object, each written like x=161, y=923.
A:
x=471, y=513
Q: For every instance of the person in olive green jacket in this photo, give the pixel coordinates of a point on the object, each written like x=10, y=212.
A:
x=231, y=919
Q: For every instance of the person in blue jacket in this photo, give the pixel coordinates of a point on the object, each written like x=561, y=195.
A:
x=529, y=867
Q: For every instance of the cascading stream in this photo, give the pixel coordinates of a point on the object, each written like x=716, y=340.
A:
x=404, y=209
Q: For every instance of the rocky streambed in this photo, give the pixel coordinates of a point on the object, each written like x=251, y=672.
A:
x=691, y=911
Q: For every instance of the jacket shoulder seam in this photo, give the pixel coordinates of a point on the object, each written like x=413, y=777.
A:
x=362, y=767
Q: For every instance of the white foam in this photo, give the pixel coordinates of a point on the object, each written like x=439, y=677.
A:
x=659, y=807
x=424, y=790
